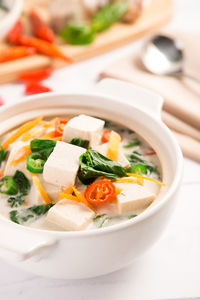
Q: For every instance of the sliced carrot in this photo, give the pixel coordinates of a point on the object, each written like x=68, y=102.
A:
x=40, y=188
x=21, y=154
x=82, y=198
x=113, y=147
x=69, y=190
x=69, y=197
x=21, y=130
x=146, y=178
x=2, y=172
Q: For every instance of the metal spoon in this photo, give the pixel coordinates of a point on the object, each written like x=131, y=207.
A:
x=164, y=56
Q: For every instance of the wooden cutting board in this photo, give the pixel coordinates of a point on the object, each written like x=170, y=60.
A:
x=153, y=18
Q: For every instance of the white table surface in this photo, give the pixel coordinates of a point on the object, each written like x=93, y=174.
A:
x=172, y=267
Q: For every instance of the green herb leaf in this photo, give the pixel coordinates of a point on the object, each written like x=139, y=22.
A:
x=77, y=33
x=23, y=182
x=137, y=160
x=3, y=154
x=108, y=15
x=16, y=201
x=80, y=143
x=93, y=165
x=24, y=215
x=97, y=218
x=39, y=145
x=132, y=144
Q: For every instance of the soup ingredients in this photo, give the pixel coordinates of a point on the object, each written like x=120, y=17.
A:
x=16, y=201
x=106, y=136
x=78, y=33
x=40, y=29
x=34, y=212
x=23, y=183
x=100, y=192
x=135, y=158
x=3, y=154
x=12, y=53
x=8, y=186
x=37, y=75
x=84, y=127
x=138, y=169
x=113, y=147
x=80, y=143
x=132, y=144
x=21, y=130
x=43, y=47
x=108, y=15
x=146, y=178
x=41, y=190
x=94, y=165
x=62, y=165
x=70, y=215
x=15, y=32
x=33, y=88
x=21, y=154
x=38, y=145
x=35, y=163
x=59, y=126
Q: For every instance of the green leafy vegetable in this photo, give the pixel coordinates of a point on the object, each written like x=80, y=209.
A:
x=31, y=212
x=77, y=33
x=39, y=145
x=80, y=143
x=16, y=201
x=8, y=186
x=132, y=144
x=108, y=15
x=93, y=164
x=101, y=220
x=97, y=218
x=3, y=154
x=23, y=182
x=139, y=164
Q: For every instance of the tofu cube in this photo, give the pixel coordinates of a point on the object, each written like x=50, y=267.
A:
x=21, y=166
x=70, y=215
x=85, y=128
x=122, y=160
x=133, y=198
x=62, y=165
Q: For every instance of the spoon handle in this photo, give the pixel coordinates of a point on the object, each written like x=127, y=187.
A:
x=181, y=74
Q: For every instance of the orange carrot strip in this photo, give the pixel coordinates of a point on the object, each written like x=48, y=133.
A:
x=21, y=154
x=40, y=188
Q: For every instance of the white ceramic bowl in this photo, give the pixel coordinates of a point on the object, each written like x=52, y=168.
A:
x=96, y=252
x=6, y=23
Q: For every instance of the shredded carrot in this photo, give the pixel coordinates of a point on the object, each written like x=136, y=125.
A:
x=69, y=197
x=118, y=191
x=30, y=135
x=2, y=172
x=40, y=188
x=113, y=147
x=69, y=190
x=146, y=178
x=48, y=123
x=82, y=198
x=21, y=130
x=21, y=154
x=126, y=180
x=51, y=136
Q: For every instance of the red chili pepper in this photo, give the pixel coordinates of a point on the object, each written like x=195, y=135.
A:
x=59, y=126
x=37, y=75
x=15, y=32
x=100, y=192
x=40, y=29
x=15, y=52
x=36, y=88
x=43, y=47
x=106, y=136
x=150, y=153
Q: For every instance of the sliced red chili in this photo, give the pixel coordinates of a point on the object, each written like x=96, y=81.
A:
x=36, y=88
x=106, y=136
x=37, y=75
x=100, y=192
x=59, y=126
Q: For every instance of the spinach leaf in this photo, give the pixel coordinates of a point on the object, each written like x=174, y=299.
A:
x=80, y=143
x=16, y=201
x=3, y=154
x=38, y=145
x=132, y=144
x=93, y=165
x=23, y=182
x=137, y=160
x=24, y=215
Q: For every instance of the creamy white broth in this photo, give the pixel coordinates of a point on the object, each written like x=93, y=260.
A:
x=106, y=214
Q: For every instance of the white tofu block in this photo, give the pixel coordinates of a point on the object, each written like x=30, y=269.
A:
x=85, y=128
x=70, y=215
x=62, y=165
x=133, y=198
x=21, y=166
x=122, y=160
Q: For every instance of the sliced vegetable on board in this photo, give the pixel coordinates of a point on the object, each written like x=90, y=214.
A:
x=33, y=88
x=15, y=52
x=15, y=32
x=37, y=75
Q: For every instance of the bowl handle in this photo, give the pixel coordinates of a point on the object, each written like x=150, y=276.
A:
x=21, y=244
x=134, y=95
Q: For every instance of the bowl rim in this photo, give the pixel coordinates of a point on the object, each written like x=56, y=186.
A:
x=127, y=223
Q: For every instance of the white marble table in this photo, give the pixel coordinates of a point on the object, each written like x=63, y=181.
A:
x=172, y=267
